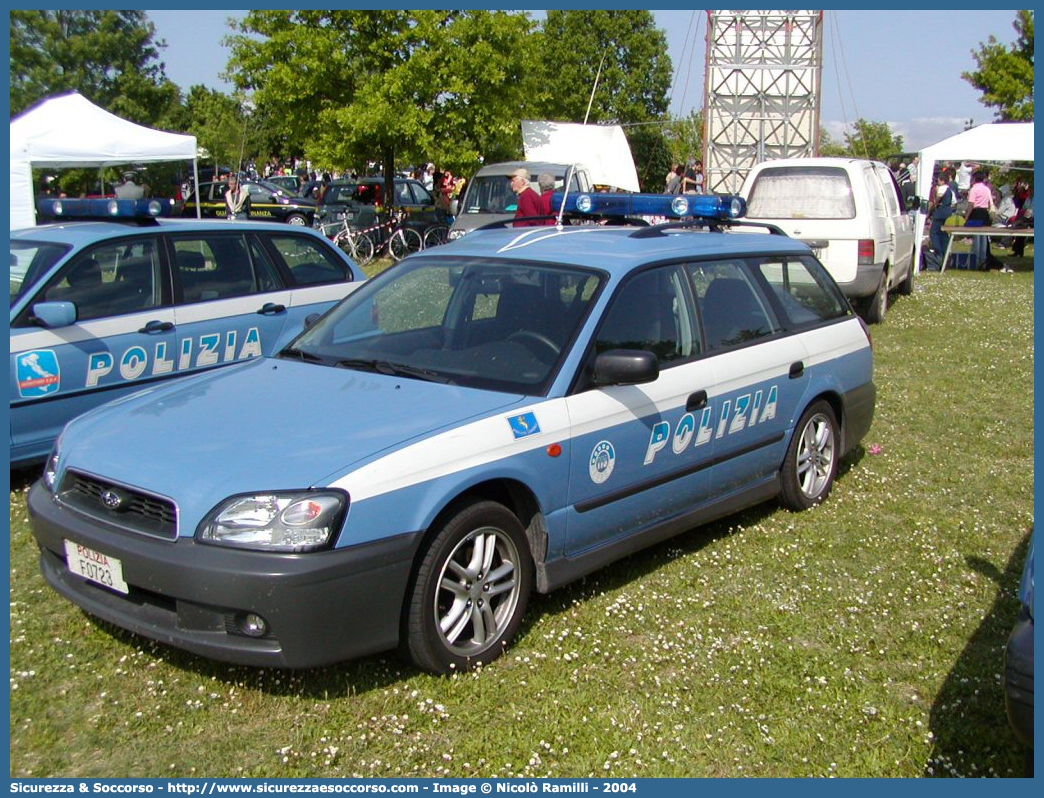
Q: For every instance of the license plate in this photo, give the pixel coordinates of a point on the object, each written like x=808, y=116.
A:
x=95, y=567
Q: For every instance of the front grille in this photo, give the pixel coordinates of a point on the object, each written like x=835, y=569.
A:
x=127, y=508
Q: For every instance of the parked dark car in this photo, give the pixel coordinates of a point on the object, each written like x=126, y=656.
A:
x=1018, y=663
x=357, y=201
x=291, y=184
x=268, y=202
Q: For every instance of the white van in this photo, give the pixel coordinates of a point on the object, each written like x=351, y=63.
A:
x=850, y=212
x=488, y=196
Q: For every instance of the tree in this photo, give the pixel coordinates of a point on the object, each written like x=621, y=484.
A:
x=1005, y=74
x=222, y=126
x=632, y=84
x=873, y=140
x=110, y=57
x=357, y=86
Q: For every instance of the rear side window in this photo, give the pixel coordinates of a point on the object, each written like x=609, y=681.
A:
x=220, y=267
x=804, y=192
x=732, y=309
x=803, y=289
x=308, y=261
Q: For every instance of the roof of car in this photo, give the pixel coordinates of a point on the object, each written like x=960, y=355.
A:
x=80, y=233
x=534, y=168
x=614, y=249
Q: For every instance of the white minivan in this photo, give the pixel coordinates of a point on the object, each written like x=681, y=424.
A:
x=850, y=212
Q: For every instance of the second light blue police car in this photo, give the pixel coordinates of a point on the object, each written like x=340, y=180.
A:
x=496, y=416
x=105, y=307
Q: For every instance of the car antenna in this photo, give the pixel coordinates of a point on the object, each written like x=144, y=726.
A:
x=569, y=176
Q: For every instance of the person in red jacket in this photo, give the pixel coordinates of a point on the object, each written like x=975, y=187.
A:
x=529, y=203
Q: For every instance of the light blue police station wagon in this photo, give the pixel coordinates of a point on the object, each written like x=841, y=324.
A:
x=499, y=415
x=103, y=308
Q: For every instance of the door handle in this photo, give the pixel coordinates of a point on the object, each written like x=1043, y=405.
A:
x=696, y=401
x=156, y=326
x=271, y=309
x=796, y=370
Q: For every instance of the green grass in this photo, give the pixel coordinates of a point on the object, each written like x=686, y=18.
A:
x=861, y=638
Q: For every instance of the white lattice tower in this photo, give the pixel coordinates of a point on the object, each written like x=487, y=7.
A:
x=763, y=80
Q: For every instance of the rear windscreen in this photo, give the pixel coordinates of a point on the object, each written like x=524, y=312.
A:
x=806, y=192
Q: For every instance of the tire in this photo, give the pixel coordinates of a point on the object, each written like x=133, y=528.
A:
x=359, y=249
x=906, y=287
x=810, y=466
x=436, y=235
x=877, y=305
x=297, y=219
x=457, y=615
x=402, y=245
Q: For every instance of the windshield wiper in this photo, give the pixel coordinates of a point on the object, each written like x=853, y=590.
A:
x=395, y=369
x=300, y=354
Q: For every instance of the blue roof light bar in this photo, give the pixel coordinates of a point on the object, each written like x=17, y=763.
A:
x=104, y=208
x=704, y=206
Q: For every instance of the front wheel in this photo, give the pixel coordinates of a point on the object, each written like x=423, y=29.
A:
x=436, y=235
x=358, y=247
x=470, y=591
x=810, y=466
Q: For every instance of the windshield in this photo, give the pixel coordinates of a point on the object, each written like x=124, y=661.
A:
x=492, y=325
x=29, y=261
x=808, y=192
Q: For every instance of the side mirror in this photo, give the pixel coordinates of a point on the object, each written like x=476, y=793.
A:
x=311, y=319
x=625, y=367
x=454, y=204
x=54, y=314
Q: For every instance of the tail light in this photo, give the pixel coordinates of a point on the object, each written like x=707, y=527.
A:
x=866, y=251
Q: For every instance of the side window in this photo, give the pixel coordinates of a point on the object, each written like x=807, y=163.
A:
x=402, y=194
x=651, y=312
x=421, y=195
x=308, y=261
x=803, y=290
x=219, y=267
x=259, y=193
x=893, y=196
x=732, y=310
x=111, y=280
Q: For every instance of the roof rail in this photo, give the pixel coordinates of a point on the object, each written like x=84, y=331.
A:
x=714, y=225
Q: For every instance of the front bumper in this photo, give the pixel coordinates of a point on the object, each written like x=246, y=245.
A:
x=1018, y=678
x=320, y=607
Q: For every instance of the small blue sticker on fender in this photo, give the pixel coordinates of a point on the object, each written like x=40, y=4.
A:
x=38, y=373
x=524, y=425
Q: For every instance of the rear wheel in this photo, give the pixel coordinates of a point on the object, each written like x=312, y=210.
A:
x=905, y=288
x=359, y=248
x=297, y=219
x=404, y=241
x=877, y=305
x=470, y=592
x=810, y=466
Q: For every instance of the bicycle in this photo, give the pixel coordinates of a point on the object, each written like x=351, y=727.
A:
x=355, y=243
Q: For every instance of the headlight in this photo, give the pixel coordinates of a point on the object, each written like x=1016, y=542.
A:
x=288, y=521
x=455, y=234
x=50, y=472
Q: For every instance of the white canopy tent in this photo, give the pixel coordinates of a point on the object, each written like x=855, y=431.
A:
x=70, y=131
x=601, y=148
x=999, y=141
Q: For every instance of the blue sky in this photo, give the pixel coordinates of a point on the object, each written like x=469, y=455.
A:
x=900, y=67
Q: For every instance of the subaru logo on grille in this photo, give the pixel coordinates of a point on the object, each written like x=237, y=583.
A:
x=111, y=499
